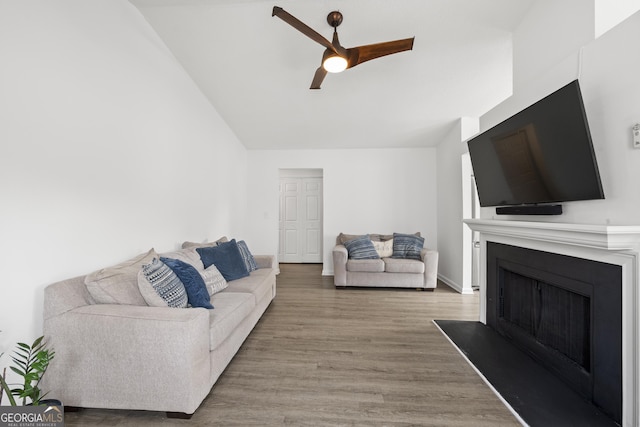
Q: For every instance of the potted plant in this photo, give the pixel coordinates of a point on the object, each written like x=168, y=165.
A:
x=31, y=363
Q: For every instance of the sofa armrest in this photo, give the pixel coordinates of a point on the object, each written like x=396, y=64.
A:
x=109, y=356
x=430, y=259
x=266, y=261
x=340, y=256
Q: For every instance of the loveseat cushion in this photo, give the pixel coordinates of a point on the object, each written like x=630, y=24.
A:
x=366, y=265
x=231, y=309
x=346, y=237
x=380, y=237
x=118, y=284
x=403, y=265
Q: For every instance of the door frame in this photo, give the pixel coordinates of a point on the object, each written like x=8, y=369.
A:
x=302, y=173
x=470, y=209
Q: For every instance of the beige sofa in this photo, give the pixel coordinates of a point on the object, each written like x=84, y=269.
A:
x=128, y=356
x=386, y=271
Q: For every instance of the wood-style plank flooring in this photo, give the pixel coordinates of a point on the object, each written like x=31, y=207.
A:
x=322, y=356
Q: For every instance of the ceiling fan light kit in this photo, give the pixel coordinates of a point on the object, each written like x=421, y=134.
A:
x=335, y=63
x=336, y=58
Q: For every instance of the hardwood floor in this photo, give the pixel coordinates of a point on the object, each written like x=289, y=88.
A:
x=322, y=356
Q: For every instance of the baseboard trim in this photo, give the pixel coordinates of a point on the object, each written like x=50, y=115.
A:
x=455, y=286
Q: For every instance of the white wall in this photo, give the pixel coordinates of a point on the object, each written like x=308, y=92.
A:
x=365, y=191
x=609, y=14
x=108, y=149
x=551, y=31
x=609, y=81
x=451, y=231
x=550, y=50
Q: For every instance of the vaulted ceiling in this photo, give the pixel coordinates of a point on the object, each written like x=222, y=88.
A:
x=256, y=70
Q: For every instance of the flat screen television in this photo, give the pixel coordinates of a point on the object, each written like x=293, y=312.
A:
x=543, y=154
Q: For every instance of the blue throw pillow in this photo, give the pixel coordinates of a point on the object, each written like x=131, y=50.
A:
x=361, y=248
x=407, y=246
x=227, y=259
x=192, y=280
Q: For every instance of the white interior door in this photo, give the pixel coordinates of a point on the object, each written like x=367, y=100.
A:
x=300, y=227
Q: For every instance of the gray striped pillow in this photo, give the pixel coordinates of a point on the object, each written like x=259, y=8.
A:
x=248, y=259
x=361, y=248
x=407, y=246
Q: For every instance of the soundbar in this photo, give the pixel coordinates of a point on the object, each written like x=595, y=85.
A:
x=530, y=210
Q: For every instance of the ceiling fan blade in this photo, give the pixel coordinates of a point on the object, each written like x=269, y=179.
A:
x=318, y=78
x=360, y=54
x=302, y=27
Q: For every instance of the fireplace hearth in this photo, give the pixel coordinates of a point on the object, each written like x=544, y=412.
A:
x=565, y=312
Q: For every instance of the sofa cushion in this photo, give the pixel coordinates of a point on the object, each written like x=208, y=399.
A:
x=361, y=248
x=231, y=309
x=366, y=265
x=227, y=258
x=248, y=259
x=255, y=284
x=190, y=256
x=186, y=245
x=384, y=248
x=407, y=246
x=192, y=280
x=403, y=265
x=118, y=284
x=213, y=279
x=160, y=287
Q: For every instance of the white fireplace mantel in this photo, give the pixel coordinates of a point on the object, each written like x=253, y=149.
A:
x=619, y=245
x=606, y=237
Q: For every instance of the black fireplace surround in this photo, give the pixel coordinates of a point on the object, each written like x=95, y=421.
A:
x=565, y=312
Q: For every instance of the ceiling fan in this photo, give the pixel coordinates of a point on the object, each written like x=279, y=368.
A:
x=336, y=58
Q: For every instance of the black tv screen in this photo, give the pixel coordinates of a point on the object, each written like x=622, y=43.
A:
x=543, y=154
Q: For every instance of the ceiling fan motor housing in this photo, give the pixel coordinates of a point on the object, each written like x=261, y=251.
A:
x=334, y=18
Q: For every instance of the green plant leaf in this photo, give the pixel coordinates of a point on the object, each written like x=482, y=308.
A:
x=17, y=371
x=31, y=362
x=20, y=358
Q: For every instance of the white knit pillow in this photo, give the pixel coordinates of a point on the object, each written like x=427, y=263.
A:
x=214, y=280
x=384, y=249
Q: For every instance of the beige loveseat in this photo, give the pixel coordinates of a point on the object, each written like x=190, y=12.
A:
x=135, y=356
x=384, y=271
